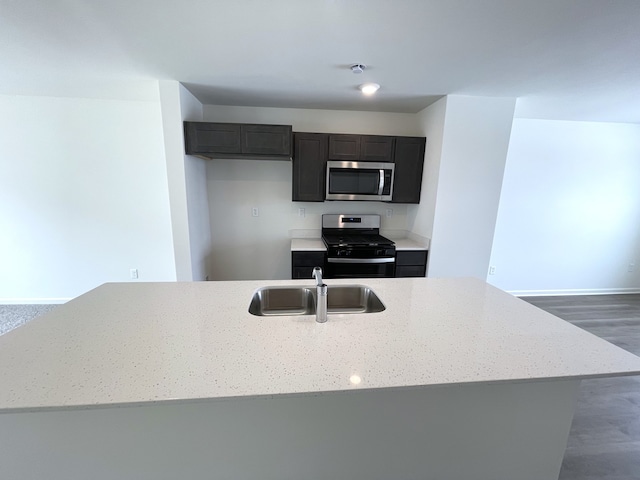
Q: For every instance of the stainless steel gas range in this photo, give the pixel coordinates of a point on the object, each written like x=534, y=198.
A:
x=355, y=248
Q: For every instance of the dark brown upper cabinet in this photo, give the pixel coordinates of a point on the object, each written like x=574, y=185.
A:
x=409, y=160
x=309, y=166
x=368, y=148
x=238, y=140
x=376, y=148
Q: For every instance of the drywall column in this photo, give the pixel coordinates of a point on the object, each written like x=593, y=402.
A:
x=474, y=149
x=190, y=231
x=197, y=196
x=431, y=121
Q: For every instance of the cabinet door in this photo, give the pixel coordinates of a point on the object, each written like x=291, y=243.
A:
x=411, y=263
x=303, y=263
x=376, y=148
x=411, y=257
x=409, y=160
x=344, y=147
x=266, y=139
x=309, y=167
x=203, y=138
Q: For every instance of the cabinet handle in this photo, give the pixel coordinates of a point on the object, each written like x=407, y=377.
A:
x=361, y=260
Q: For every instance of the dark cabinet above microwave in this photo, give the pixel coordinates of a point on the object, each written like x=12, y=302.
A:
x=238, y=140
x=363, y=148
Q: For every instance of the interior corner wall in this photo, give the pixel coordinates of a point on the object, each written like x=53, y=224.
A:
x=197, y=196
x=259, y=248
x=83, y=196
x=431, y=121
x=176, y=176
x=474, y=149
x=568, y=221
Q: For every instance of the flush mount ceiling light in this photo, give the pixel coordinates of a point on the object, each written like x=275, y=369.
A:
x=369, y=88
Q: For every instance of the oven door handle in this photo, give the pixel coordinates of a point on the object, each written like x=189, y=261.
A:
x=362, y=260
x=381, y=182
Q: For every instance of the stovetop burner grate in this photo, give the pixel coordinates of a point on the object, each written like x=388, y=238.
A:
x=355, y=240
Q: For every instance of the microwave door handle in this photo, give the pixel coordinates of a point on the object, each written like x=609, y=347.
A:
x=381, y=182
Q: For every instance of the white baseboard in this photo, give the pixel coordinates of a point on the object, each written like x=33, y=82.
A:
x=33, y=301
x=574, y=291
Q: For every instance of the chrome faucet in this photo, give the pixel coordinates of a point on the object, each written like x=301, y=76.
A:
x=321, y=296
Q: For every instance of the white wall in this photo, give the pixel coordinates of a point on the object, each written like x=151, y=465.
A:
x=83, y=196
x=474, y=148
x=246, y=247
x=176, y=177
x=431, y=121
x=322, y=121
x=197, y=196
x=569, y=216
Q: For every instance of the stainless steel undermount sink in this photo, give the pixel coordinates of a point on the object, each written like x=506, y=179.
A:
x=293, y=300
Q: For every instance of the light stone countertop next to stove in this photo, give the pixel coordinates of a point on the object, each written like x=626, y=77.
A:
x=138, y=343
x=307, y=245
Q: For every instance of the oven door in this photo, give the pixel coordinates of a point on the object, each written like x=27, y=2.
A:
x=359, y=181
x=378, y=267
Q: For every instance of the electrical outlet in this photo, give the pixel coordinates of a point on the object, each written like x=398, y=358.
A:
x=302, y=213
x=255, y=212
x=133, y=273
x=492, y=270
x=389, y=212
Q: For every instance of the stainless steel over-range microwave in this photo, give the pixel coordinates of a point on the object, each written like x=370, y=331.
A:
x=359, y=181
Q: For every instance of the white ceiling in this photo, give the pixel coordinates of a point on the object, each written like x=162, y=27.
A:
x=566, y=59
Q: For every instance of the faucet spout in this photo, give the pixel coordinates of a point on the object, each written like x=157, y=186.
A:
x=317, y=274
x=321, y=296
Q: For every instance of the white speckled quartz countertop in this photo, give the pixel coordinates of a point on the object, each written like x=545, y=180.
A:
x=307, y=244
x=131, y=343
x=408, y=244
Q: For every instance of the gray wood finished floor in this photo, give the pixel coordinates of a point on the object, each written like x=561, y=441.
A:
x=605, y=435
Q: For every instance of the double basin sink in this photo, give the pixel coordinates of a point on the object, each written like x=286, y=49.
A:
x=293, y=300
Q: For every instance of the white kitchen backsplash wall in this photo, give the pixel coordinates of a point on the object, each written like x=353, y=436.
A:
x=256, y=248
x=569, y=215
x=247, y=247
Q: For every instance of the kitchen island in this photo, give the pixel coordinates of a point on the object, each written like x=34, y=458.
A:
x=455, y=379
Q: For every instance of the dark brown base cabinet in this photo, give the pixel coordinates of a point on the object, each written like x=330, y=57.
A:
x=411, y=263
x=238, y=140
x=303, y=263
